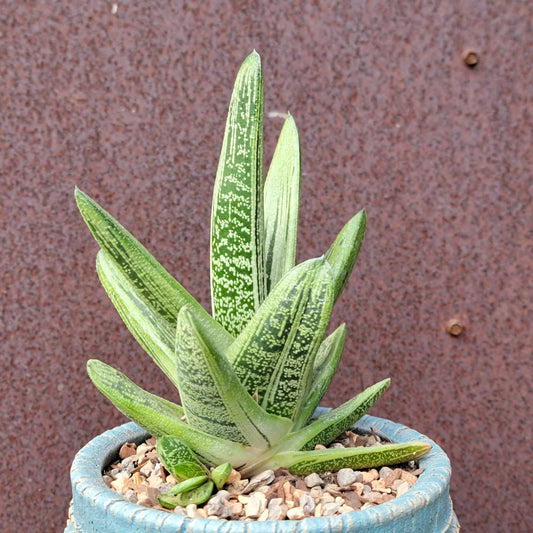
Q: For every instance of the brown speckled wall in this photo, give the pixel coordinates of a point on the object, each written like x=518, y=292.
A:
x=129, y=103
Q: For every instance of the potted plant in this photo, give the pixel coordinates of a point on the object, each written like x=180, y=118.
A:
x=251, y=375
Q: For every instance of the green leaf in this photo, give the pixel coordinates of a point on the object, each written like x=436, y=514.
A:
x=237, y=240
x=196, y=496
x=159, y=291
x=178, y=458
x=345, y=249
x=326, y=364
x=220, y=475
x=168, y=501
x=148, y=327
x=188, y=484
x=333, y=459
x=274, y=354
x=331, y=424
x=214, y=399
x=282, y=197
x=161, y=417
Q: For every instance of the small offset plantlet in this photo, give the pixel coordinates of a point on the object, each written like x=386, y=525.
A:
x=251, y=375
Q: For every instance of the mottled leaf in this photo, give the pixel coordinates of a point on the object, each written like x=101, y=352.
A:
x=326, y=364
x=273, y=356
x=178, y=458
x=333, y=459
x=237, y=239
x=153, y=284
x=161, y=417
x=151, y=330
x=214, y=399
x=330, y=425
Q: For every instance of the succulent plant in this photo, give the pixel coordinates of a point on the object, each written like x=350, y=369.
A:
x=251, y=375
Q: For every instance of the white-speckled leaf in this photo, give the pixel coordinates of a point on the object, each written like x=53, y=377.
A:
x=149, y=328
x=237, y=239
x=213, y=398
x=153, y=284
x=333, y=459
x=282, y=197
x=326, y=364
x=273, y=356
x=330, y=425
x=161, y=417
x=345, y=249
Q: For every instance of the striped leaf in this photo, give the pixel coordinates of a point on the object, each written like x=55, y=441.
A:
x=326, y=363
x=333, y=459
x=161, y=417
x=330, y=425
x=149, y=328
x=273, y=356
x=345, y=249
x=237, y=240
x=282, y=197
x=214, y=399
x=159, y=291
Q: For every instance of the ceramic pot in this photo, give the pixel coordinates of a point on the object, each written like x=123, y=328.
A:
x=95, y=508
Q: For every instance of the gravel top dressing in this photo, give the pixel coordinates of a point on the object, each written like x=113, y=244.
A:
x=271, y=495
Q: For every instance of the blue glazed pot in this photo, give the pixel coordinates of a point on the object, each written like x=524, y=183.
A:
x=95, y=508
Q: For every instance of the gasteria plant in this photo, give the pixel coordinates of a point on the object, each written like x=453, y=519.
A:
x=250, y=376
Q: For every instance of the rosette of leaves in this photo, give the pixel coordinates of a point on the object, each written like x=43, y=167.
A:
x=251, y=374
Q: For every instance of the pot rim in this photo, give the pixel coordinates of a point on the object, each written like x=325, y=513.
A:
x=90, y=462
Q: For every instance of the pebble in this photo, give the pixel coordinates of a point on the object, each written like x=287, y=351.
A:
x=313, y=480
x=326, y=498
x=256, y=505
x=384, y=471
x=329, y=509
x=147, y=469
x=234, y=476
x=217, y=506
x=403, y=487
x=346, y=509
x=263, y=516
x=407, y=476
x=192, y=511
x=345, y=477
x=307, y=503
x=296, y=513
x=264, y=478
x=369, y=476
x=352, y=499
x=269, y=495
x=392, y=477
x=237, y=487
x=277, y=510
x=235, y=508
x=127, y=450
x=316, y=492
x=130, y=496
